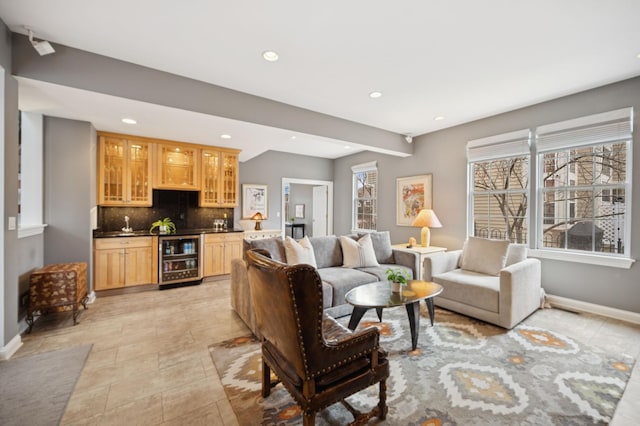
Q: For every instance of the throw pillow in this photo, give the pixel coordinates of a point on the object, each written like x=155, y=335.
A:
x=516, y=253
x=299, y=252
x=381, y=241
x=358, y=254
x=484, y=256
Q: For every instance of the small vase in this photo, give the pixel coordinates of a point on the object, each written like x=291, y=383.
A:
x=396, y=287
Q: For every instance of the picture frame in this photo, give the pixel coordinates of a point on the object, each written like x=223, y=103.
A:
x=299, y=211
x=413, y=194
x=254, y=200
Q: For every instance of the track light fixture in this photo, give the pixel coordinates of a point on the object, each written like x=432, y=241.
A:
x=408, y=138
x=42, y=47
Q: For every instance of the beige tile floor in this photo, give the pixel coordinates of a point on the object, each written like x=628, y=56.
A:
x=150, y=365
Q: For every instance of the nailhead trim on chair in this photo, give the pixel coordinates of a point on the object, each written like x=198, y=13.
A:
x=307, y=373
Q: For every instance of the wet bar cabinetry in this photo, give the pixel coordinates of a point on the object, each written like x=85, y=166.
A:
x=177, y=167
x=219, y=250
x=124, y=172
x=125, y=261
x=129, y=167
x=219, y=184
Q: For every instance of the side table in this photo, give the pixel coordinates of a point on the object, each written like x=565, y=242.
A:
x=422, y=253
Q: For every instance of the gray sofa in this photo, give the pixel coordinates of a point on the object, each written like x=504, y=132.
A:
x=336, y=279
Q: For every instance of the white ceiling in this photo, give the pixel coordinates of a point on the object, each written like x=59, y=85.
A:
x=460, y=59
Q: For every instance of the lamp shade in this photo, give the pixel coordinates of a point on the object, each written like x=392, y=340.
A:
x=427, y=217
x=258, y=218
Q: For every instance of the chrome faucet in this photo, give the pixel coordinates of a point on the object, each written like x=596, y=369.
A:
x=127, y=228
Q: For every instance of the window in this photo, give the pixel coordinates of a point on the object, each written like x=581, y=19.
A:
x=30, y=214
x=365, y=193
x=588, y=184
x=499, y=183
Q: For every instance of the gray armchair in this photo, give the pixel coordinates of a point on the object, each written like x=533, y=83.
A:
x=489, y=280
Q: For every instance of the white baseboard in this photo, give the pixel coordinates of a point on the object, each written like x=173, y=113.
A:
x=14, y=344
x=605, y=311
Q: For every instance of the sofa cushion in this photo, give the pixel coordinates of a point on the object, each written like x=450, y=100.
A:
x=344, y=279
x=358, y=254
x=381, y=246
x=471, y=288
x=381, y=271
x=275, y=247
x=299, y=251
x=516, y=253
x=327, y=251
x=484, y=256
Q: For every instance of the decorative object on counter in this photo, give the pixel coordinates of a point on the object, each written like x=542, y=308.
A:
x=412, y=242
x=127, y=228
x=254, y=200
x=165, y=226
x=397, y=277
x=412, y=195
x=258, y=218
x=426, y=219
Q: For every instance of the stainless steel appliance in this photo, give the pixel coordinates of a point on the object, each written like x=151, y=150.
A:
x=179, y=260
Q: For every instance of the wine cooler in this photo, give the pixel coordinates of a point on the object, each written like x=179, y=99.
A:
x=179, y=260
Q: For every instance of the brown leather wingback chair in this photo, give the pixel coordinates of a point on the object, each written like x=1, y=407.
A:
x=319, y=361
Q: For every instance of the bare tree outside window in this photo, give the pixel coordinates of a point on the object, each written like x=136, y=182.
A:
x=365, y=199
x=583, y=196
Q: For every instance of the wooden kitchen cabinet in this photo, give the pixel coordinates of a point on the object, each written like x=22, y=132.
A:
x=177, y=166
x=125, y=261
x=219, y=251
x=124, y=172
x=219, y=178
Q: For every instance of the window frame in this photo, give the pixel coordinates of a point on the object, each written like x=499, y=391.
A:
x=355, y=171
x=502, y=146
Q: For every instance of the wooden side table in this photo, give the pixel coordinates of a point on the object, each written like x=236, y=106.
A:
x=422, y=252
x=58, y=287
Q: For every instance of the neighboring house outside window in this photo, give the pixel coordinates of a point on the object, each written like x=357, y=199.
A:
x=579, y=194
x=584, y=194
x=365, y=193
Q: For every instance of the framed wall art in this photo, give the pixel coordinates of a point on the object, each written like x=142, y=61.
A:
x=413, y=194
x=254, y=200
x=299, y=211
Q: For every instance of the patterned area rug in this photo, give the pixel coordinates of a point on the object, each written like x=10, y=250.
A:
x=463, y=372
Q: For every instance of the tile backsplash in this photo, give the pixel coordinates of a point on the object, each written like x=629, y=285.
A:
x=180, y=206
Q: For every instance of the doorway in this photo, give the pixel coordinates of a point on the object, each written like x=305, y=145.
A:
x=318, y=217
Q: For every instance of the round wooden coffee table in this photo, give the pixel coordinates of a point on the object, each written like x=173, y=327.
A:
x=380, y=296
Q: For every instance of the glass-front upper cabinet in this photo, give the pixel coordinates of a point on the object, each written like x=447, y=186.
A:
x=219, y=183
x=124, y=172
x=177, y=167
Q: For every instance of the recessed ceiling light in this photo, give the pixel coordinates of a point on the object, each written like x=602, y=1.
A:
x=129, y=121
x=270, y=55
x=347, y=147
x=225, y=136
x=375, y=95
x=438, y=118
x=293, y=137
x=638, y=56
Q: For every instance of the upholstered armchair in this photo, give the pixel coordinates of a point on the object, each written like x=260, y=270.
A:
x=491, y=280
x=318, y=361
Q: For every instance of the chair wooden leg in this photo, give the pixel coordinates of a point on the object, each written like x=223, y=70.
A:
x=266, y=379
x=382, y=404
x=308, y=419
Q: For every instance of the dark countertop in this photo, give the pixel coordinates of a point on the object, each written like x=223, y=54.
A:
x=146, y=233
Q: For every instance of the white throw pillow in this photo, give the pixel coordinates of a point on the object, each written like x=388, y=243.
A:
x=484, y=256
x=299, y=252
x=358, y=254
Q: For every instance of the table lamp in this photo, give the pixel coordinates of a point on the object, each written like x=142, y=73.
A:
x=258, y=218
x=427, y=219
